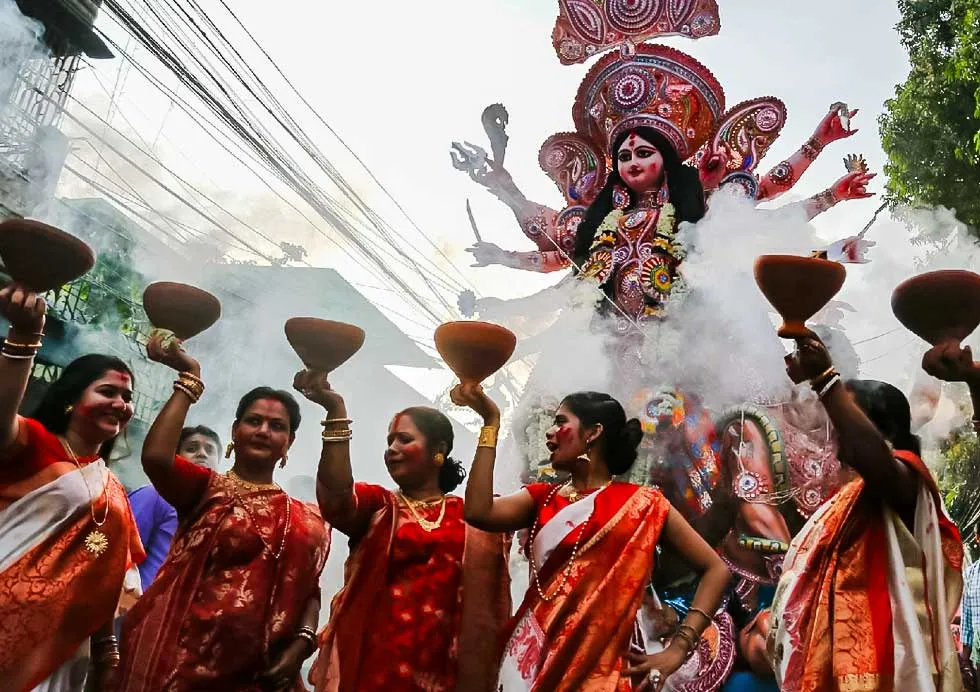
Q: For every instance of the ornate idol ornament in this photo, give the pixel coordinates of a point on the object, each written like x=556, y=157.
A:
x=588, y=27
x=658, y=87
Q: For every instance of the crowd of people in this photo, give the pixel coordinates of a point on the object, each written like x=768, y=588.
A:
x=222, y=592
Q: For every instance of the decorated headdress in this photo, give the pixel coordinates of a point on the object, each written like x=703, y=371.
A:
x=657, y=87
x=588, y=27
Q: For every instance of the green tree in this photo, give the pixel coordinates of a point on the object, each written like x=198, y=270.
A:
x=931, y=128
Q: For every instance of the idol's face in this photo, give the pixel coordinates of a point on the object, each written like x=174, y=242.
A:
x=640, y=164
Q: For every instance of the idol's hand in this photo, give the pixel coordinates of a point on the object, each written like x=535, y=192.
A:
x=472, y=396
x=853, y=186
x=23, y=308
x=314, y=385
x=831, y=128
x=852, y=250
x=655, y=669
x=951, y=363
x=282, y=675
x=712, y=167
x=485, y=254
x=167, y=349
x=810, y=359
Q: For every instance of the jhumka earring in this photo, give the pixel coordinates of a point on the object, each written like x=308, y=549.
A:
x=620, y=197
x=282, y=462
x=585, y=457
x=229, y=449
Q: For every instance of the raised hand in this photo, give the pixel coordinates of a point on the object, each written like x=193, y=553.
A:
x=167, y=349
x=831, y=128
x=951, y=363
x=485, y=254
x=853, y=186
x=810, y=360
x=712, y=168
x=472, y=396
x=313, y=384
x=23, y=308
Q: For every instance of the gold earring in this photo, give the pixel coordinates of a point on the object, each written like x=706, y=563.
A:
x=440, y=459
x=282, y=462
x=229, y=449
x=68, y=409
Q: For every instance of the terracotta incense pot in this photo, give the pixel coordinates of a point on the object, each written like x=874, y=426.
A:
x=474, y=350
x=323, y=345
x=184, y=310
x=40, y=256
x=940, y=306
x=797, y=287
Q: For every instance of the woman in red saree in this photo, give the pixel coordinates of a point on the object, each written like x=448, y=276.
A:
x=424, y=595
x=872, y=581
x=592, y=543
x=234, y=606
x=68, y=540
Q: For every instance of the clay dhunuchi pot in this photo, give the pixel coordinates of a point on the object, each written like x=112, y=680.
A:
x=323, y=345
x=184, y=310
x=940, y=306
x=797, y=287
x=474, y=350
x=40, y=256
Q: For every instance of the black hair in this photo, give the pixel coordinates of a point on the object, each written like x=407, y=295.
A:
x=202, y=430
x=438, y=429
x=683, y=185
x=889, y=410
x=620, y=437
x=52, y=411
x=283, y=397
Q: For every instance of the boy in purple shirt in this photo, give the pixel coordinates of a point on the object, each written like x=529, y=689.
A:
x=155, y=517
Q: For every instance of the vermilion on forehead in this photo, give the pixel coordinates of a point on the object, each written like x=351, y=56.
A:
x=117, y=379
x=403, y=422
x=269, y=409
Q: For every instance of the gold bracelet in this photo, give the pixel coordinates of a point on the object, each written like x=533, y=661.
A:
x=14, y=344
x=192, y=377
x=330, y=421
x=488, y=437
x=180, y=387
x=17, y=356
x=337, y=435
x=192, y=383
x=304, y=634
x=826, y=373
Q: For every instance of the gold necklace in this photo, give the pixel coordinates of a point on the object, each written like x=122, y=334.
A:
x=241, y=501
x=96, y=542
x=427, y=526
x=250, y=484
x=574, y=495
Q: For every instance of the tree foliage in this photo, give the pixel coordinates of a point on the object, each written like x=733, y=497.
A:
x=959, y=477
x=931, y=128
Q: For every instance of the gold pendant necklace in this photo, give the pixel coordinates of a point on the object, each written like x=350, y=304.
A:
x=427, y=525
x=96, y=542
x=235, y=478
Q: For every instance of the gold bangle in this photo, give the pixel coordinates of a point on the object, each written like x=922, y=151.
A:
x=826, y=373
x=17, y=356
x=192, y=377
x=14, y=344
x=330, y=421
x=180, y=387
x=488, y=437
